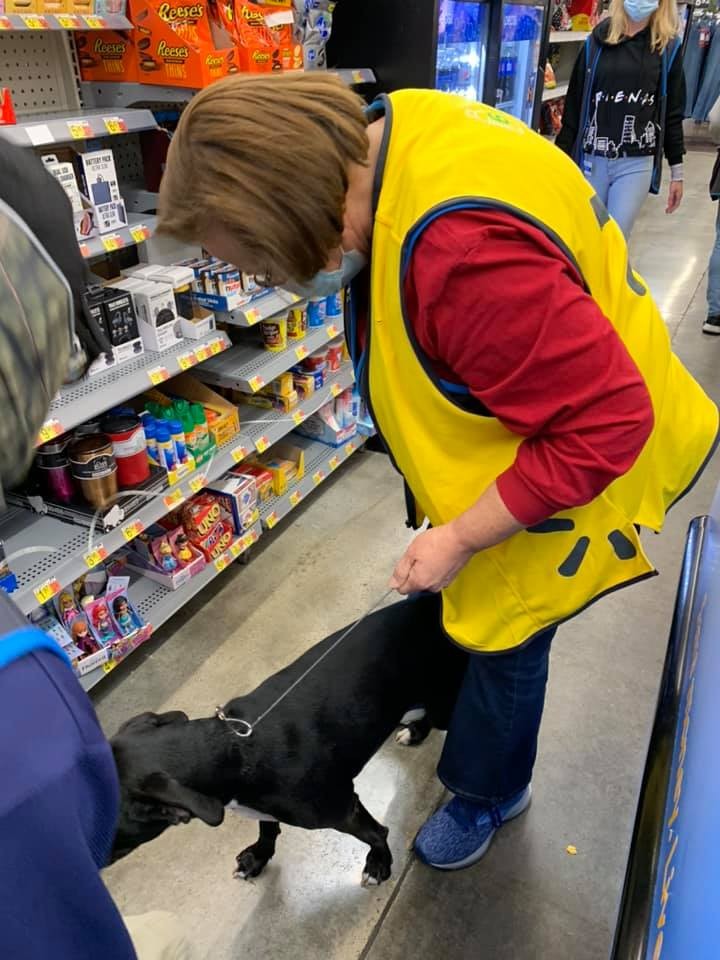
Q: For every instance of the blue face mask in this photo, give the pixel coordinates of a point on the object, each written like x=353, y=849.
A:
x=639, y=10
x=327, y=282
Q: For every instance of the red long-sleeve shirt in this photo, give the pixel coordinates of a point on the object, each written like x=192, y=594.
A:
x=497, y=307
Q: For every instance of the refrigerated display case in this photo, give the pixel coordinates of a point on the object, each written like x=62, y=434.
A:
x=518, y=77
x=462, y=47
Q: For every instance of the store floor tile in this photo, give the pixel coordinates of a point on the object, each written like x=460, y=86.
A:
x=321, y=568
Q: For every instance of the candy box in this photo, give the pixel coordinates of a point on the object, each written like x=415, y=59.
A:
x=106, y=55
x=286, y=463
x=237, y=496
x=261, y=477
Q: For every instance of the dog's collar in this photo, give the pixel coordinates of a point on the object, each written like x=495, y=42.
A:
x=247, y=730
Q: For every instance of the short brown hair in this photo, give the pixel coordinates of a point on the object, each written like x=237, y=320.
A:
x=267, y=159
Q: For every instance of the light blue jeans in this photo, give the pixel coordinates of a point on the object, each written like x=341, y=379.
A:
x=713, y=290
x=621, y=184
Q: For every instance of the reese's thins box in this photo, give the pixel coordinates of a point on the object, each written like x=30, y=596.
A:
x=174, y=44
x=106, y=55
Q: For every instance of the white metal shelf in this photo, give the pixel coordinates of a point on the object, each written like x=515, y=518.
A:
x=81, y=401
x=320, y=461
x=42, y=575
x=156, y=604
x=63, y=21
x=568, y=36
x=42, y=130
x=138, y=230
x=248, y=367
x=559, y=91
x=260, y=308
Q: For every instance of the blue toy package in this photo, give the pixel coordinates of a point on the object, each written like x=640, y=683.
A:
x=8, y=580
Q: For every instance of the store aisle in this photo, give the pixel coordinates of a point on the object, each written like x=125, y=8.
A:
x=528, y=898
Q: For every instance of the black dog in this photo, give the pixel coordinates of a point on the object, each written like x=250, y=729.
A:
x=299, y=764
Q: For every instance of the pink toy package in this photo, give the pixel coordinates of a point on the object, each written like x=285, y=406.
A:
x=101, y=623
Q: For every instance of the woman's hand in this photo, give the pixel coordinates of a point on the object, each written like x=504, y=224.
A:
x=675, y=195
x=431, y=562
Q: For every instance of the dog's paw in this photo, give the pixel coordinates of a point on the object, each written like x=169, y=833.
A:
x=248, y=865
x=404, y=736
x=377, y=869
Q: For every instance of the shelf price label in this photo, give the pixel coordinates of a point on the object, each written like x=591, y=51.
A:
x=79, y=129
x=357, y=76
x=33, y=22
x=236, y=548
x=5, y=23
x=115, y=125
x=301, y=352
x=132, y=530
x=113, y=241
x=109, y=666
x=202, y=353
x=251, y=538
x=318, y=477
x=261, y=444
x=49, y=430
x=197, y=483
x=85, y=250
x=336, y=389
x=298, y=417
x=271, y=520
x=140, y=233
x=187, y=360
x=47, y=590
x=349, y=448
x=95, y=23
x=333, y=463
x=96, y=556
x=253, y=316
x=158, y=375
x=68, y=21
x=239, y=453
x=256, y=383
x=295, y=498
x=173, y=499
x=222, y=562
x=331, y=330
x=216, y=346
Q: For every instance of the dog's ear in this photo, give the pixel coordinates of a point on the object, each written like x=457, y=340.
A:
x=166, y=790
x=148, y=721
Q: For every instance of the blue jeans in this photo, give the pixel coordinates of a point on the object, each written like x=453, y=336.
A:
x=710, y=86
x=713, y=288
x=621, y=184
x=491, y=743
x=693, y=63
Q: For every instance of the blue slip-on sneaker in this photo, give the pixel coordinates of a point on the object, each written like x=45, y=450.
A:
x=459, y=833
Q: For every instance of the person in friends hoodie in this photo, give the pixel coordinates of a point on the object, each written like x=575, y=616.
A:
x=624, y=107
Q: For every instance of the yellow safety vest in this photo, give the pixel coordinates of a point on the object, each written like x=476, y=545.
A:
x=442, y=152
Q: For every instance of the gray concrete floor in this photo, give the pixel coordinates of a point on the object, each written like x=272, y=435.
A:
x=528, y=898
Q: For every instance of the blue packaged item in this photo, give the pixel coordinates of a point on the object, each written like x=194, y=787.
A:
x=316, y=311
x=150, y=429
x=334, y=305
x=178, y=438
x=165, y=445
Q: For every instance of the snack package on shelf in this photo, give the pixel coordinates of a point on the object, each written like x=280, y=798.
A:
x=107, y=55
x=260, y=476
x=335, y=423
x=313, y=23
x=264, y=37
x=285, y=462
x=550, y=81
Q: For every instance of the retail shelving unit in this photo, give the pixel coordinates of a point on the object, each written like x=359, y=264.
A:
x=37, y=61
x=566, y=45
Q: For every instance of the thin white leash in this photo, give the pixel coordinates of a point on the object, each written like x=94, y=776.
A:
x=247, y=728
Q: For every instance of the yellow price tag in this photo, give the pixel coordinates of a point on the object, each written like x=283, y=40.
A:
x=85, y=250
x=336, y=389
x=47, y=590
x=79, y=129
x=349, y=448
x=298, y=417
x=331, y=330
x=236, y=548
x=253, y=316
x=187, y=360
x=109, y=665
x=261, y=444
x=222, y=562
x=35, y=23
x=197, y=483
x=295, y=498
x=216, y=346
x=158, y=375
x=254, y=536
x=256, y=383
x=271, y=520
x=301, y=352
x=239, y=453
x=95, y=23
x=113, y=242
x=115, y=125
x=173, y=499
x=68, y=21
x=5, y=23
x=49, y=430
x=247, y=541
x=139, y=233
x=96, y=556
x=357, y=76
x=202, y=353
x=333, y=463
x=132, y=530
x=318, y=477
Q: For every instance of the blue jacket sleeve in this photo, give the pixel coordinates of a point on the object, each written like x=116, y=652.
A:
x=58, y=809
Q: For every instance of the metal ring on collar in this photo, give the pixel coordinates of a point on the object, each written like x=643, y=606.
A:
x=248, y=727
